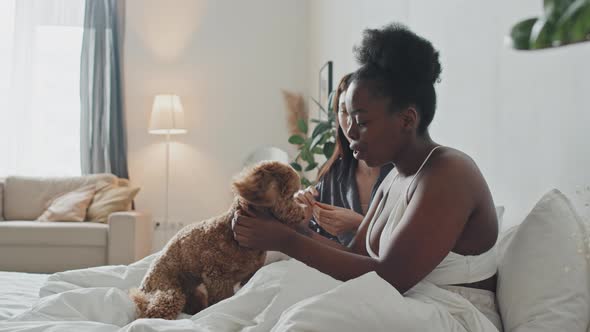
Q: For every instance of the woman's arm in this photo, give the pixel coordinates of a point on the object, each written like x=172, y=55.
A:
x=431, y=225
x=441, y=204
x=336, y=220
x=307, y=199
x=304, y=230
x=324, y=219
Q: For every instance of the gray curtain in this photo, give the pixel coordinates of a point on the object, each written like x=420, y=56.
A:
x=103, y=142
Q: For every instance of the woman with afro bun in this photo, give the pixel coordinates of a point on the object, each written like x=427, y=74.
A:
x=433, y=216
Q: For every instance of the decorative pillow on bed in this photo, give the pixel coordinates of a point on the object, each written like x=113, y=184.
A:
x=70, y=206
x=500, y=213
x=110, y=198
x=543, y=277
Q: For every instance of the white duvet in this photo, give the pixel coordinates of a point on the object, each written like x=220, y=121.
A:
x=286, y=295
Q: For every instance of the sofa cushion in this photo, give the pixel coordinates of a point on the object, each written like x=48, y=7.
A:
x=70, y=206
x=36, y=233
x=109, y=199
x=25, y=198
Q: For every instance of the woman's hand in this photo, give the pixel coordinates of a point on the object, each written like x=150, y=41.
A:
x=260, y=231
x=307, y=199
x=336, y=220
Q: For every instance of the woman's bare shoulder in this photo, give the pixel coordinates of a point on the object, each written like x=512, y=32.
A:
x=456, y=169
x=449, y=167
x=451, y=160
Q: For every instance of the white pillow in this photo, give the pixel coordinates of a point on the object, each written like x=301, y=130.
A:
x=70, y=206
x=500, y=213
x=543, y=275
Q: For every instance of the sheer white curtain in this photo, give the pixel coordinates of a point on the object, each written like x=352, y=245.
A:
x=40, y=45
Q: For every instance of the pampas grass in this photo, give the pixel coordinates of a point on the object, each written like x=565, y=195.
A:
x=296, y=109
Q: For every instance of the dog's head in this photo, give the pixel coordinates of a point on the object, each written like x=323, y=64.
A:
x=267, y=183
x=270, y=186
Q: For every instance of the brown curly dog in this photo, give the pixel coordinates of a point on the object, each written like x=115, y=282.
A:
x=202, y=263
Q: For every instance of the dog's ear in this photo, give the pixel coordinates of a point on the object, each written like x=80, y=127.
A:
x=257, y=186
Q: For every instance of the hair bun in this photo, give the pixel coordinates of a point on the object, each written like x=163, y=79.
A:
x=401, y=52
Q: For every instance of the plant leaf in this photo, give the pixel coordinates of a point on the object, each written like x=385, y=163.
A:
x=520, y=34
x=574, y=25
x=317, y=150
x=296, y=139
x=321, y=128
x=331, y=102
x=307, y=156
x=326, y=137
x=302, y=126
x=296, y=166
x=311, y=166
x=314, y=143
x=305, y=182
x=542, y=33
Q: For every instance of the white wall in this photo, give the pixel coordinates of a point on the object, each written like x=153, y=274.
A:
x=523, y=116
x=227, y=60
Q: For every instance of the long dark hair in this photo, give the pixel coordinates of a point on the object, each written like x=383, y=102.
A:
x=341, y=148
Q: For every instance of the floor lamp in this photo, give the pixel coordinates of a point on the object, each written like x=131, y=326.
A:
x=167, y=119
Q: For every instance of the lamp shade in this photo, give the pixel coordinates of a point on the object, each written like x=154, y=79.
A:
x=167, y=116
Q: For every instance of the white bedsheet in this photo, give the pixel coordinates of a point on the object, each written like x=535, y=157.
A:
x=18, y=291
x=286, y=295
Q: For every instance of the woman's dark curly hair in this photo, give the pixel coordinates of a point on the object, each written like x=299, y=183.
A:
x=401, y=65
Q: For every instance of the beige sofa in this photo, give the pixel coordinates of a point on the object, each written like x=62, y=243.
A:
x=27, y=245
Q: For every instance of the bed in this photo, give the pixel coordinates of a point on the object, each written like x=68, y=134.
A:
x=18, y=291
x=551, y=242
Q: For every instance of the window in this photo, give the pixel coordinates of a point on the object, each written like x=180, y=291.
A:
x=40, y=46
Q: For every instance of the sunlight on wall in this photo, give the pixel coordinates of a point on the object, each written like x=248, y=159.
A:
x=167, y=32
x=228, y=61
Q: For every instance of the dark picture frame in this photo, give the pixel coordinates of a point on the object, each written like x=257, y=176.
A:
x=325, y=86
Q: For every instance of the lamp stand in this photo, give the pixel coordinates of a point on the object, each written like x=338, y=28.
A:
x=167, y=177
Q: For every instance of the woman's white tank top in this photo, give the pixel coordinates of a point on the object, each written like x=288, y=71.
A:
x=454, y=268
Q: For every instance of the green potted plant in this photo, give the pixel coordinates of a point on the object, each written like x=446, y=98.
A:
x=320, y=144
x=563, y=22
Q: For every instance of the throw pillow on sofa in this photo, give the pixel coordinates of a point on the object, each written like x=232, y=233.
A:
x=543, y=276
x=108, y=199
x=70, y=206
